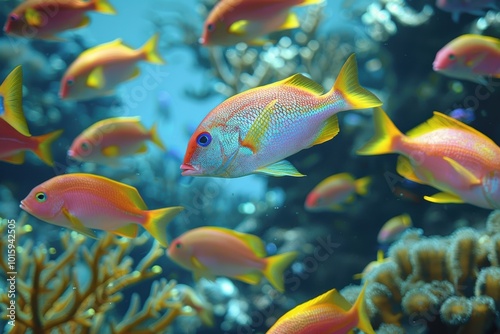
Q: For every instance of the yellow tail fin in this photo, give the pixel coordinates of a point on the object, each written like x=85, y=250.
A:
x=359, y=307
x=362, y=184
x=150, y=50
x=104, y=7
x=158, y=220
x=12, y=92
x=42, y=149
x=275, y=267
x=155, y=138
x=386, y=134
x=348, y=86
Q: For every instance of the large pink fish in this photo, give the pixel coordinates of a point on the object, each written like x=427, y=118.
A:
x=469, y=57
x=252, y=132
x=444, y=153
x=211, y=251
x=45, y=19
x=234, y=21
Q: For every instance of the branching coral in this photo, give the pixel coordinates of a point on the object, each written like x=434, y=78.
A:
x=78, y=290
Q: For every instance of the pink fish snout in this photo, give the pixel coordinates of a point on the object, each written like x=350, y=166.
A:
x=188, y=170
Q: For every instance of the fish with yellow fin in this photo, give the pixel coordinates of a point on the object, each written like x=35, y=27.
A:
x=107, y=140
x=84, y=202
x=97, y=71
x=15, y=137
x=211, y=251
x=445, y=154
x=328, y=313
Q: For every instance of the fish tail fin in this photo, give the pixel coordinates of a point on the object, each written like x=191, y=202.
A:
x=275, y=266
x=385, y=137
x=150, y=50
x=44, y=142
x=359, y=308
x=361, y=185
x=12, y=92
x=104, y=7
x=347, y=84
x=155, y=138
x=310, y=2
x=157, y=221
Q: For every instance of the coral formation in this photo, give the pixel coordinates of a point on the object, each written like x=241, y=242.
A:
x=76, y=287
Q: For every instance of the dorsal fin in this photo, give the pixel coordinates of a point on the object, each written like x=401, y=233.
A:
x=332, y=297
x=252, y=241
x=298, y=80
x=439, y=121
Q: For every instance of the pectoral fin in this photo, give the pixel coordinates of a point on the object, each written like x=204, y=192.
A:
x=291, y=22
x=443, y=198
x=280, y=168
x=405, y=169
x=258, y=130
x=33, y=17
x=111, y=151
x=250, y=278
x=96, y=78
x=84, y=22
x=77, y=225
x=239, y=27
x=15, y=159
x=467, y=176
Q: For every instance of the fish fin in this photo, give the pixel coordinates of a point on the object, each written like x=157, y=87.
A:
x=150, y=50
x=12, y=92
x=440, y=121
x=129, y=231
x=332, y=297
x=104, y=7
x=280, y=168
x=15, y=159
x=104, y=46
x=158, y=220
x=84, y=22
x=443, y=198
x=258, y=41
x=350, y=199
x=275, y=266
x=252, y=241
x=155, y=138
x=386, y=133
x=239, y=27
x=310, y=2
x=358, y=276
x=142, y=149
x=42, y=149
x=361, y=185
x=111, y=151
x=359, y=308
x=472, y=63
x=467, y=175
x=348, y=86
x=329, y=130
x=197, y=264
x=291, y=22
x=303, y=82
x=258, y=130
x=96, y=78
x=135, y=73
x=77, y=225
x=405, y=169
x=336, y=207
x=33, y=17
x=250, y=278
x=130, y=192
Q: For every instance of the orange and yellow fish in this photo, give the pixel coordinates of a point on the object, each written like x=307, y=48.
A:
x=332, y=192
x=444, y=153
x=15, y=138
x=393, y=228
x=234, y=21
x=252, y=132
x=215, y=251
x=45, y=19
x=112, y=138
x=84, y=202
x=97, y=71
x=328, y=313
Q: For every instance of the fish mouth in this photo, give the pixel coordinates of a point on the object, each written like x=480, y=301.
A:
x=23, y=206
x=187, y=170
x=435, y=66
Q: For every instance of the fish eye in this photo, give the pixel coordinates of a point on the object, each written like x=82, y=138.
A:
x=451, y=56
x=210, y=27
x=13, y=17
x=70, y=82
x=178, y=245
x=85, y=146
x=204, y=139
x=41, y=197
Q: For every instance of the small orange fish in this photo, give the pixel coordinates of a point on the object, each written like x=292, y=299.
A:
x=15, y=138
x=84, y=201
x=329, y=313
x=112, y=138
x=393, y=228
x=214, y=251
x=444, y=153
x=330, y=193
x=97, y=71
x=234, y=21
x=44, y=19
x=372, y=265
